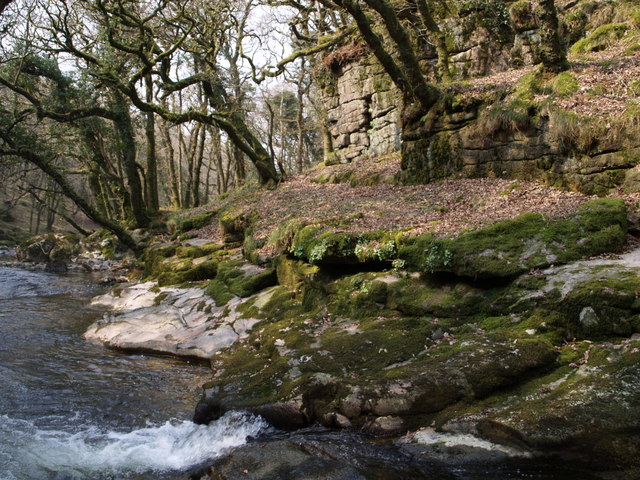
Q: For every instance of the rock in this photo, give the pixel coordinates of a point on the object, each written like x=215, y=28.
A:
x=181, y=322
x=52, y=247
x=386, y=426
x=283, y=415
x=281, y=460
x=56, y=266
x=335, y=420
x=590, y=416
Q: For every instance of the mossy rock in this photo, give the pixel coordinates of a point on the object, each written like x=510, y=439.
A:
x=243, y=279
x=234, y=224
x=181, y=225
x=318, y=246
x=193, y=251
x=220, y=293
x=411, y=296
x=202, y=271
x=512, y=247
x=322, y=246
x=522, y=16
x=601, y=38
x=295, y=274
x=602, y=307
x=152, y=258
x=47, y=248
x=588, y=415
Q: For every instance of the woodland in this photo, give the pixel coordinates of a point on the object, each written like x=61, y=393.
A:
x=120, y=109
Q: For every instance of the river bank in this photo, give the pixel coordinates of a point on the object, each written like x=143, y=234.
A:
x=506, y=334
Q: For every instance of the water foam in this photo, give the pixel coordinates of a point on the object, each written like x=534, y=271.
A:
x=91, y=453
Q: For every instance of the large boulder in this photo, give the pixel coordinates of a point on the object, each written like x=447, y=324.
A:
x=53, y=248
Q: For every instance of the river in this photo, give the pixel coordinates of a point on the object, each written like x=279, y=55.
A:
x=70, y=409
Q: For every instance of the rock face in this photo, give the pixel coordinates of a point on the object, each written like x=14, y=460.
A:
x=168, y=320
x=363, y=114
x=488, y=133
x=323, y=456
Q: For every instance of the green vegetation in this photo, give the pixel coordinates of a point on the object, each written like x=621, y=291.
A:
x=600, y=38
x=512, y=247
x=564, y=85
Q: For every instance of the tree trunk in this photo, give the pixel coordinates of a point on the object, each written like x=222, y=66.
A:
x=125, y=131
x=173, y=177
x=552, y=49
x=152, y=166
x=197, y=169
x=440, y=40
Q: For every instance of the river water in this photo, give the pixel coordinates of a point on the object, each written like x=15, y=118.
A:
x=73, y=410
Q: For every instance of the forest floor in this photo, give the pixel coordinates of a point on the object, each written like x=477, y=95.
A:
x=444, y=208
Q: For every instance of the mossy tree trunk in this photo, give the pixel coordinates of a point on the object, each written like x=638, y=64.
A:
x=440, y=39
x=153, y=201
x=128, y=144
x=553, y=51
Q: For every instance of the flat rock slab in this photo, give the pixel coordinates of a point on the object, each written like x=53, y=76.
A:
x=169, y=320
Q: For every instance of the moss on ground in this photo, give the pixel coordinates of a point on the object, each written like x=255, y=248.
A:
x=220, y=293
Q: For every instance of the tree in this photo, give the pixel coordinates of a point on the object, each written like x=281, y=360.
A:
x=553, y=51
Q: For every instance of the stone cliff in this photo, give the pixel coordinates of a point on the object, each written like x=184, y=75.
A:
x=500, y=117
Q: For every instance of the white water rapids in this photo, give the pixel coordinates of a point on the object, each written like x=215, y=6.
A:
x=32, y=453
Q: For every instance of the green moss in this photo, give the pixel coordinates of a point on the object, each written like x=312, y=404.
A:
x=282, y=237
x=245, y=282
x=318, y=246
x=193, y=223
x=565, y=84
x=412, y=250
x=601, y=307
x=219, y=292
x=153, y=257
x=160, y=298
x=294, y=274
x=247, y=286
x=600, y=38
x=515, y=116
x=522, y=16
x=190, y=251
x=234, y=224
x=415, y=297
x=512, y=247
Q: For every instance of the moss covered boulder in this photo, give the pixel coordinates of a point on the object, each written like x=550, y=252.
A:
x=52, y=247
x=239, y=278
x=589, y=414
x=173, y=263
x=512, y=247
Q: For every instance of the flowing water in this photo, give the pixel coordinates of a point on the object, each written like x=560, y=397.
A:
x=73, y=410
